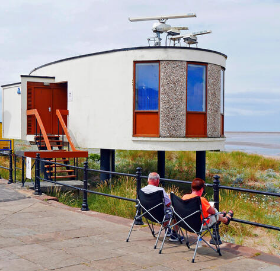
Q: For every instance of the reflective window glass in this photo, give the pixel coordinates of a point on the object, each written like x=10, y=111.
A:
x=196, y=88
x=146, y=86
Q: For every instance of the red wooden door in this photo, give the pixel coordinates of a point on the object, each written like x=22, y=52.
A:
x=59, y=101
x=46, y=99
x=43, y=103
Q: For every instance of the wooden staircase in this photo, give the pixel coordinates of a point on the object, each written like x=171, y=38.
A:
x=59, y=172
x=54, y=140
x=52, y=170
x=52, y=148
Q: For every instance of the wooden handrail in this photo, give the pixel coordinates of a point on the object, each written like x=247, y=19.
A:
x=59, y=114
x=39, y=120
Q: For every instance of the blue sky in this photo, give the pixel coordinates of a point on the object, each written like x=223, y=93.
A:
x=33, y=33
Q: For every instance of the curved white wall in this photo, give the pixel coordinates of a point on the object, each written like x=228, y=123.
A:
x=101, y=111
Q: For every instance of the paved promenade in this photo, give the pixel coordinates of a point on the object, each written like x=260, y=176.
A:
x=37, y=233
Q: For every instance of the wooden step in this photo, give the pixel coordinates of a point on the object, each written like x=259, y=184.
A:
x=44, y=145
x=60, y=160
x=48, y=166
x=63, y=177
x=51, y=140
x=57, y=171
x=49, y=136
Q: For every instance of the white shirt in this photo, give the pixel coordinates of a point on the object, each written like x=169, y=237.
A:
x=148, y=189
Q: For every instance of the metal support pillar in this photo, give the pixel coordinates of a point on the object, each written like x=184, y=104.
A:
x=161, y=164
x=107, y=162
x=200, y=164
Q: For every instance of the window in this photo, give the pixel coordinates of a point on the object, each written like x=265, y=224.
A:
x=222, y=90
x=146, y=86
x=146, y=96
x=196, y=88
x=196, y=117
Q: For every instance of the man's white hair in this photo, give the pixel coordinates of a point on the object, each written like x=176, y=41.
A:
x=153, y=176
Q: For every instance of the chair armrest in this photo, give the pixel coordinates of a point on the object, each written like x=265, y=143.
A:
x=208, y=217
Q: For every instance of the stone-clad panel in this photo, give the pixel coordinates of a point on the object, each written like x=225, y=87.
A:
x=172, y=98
x=213, y=100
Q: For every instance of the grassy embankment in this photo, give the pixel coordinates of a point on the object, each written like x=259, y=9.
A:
x=235, y=169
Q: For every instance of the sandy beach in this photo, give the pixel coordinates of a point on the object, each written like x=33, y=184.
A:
x=261, y=143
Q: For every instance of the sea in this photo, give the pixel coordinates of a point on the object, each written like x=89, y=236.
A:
x=262, y=143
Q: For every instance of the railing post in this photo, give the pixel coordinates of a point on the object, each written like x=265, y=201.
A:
x=85, y=202
x=22, y=171
x=216, y=188
x=10, y=167
x=37, y=176
x=15, y=168
x=138, y=221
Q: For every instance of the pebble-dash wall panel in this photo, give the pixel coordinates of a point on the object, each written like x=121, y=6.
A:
x=172, y=98
x=214, y=101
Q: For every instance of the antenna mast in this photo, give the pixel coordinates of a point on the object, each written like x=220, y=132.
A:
x=161, y=27
x=173, y=33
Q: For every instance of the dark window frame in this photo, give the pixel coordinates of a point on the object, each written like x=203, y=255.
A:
x=206, y=85
x=134, y=100
x=206, y=98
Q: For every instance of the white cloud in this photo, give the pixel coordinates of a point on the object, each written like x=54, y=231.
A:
x=254, y=101
x=236, y=111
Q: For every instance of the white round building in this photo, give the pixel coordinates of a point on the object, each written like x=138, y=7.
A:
x=143, y=98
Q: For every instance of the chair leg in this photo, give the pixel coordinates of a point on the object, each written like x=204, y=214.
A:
x=151, y=227
x=162, y=242
x=216, y=242
x=187, y=240
x=168, y=226
x=130, y=230
x=161, y=226
x=195, y=248
x=180, y=232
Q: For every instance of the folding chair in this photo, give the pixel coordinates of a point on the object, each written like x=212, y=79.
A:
x=152, y=207
x=189, y=216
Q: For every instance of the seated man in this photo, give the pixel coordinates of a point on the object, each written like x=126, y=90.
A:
x=153, y=183
x=198, y=186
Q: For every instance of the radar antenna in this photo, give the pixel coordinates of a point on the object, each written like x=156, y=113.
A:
x=161, y=26
x=190, y=38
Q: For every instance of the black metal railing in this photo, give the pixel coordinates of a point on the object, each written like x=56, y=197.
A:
x=138, y=176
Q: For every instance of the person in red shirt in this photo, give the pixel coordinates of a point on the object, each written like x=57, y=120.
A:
x=198, y=186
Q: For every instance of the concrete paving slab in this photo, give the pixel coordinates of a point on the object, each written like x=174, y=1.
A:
x=9, y=194
x=7, y=255
x=81, y=267
x=19, y=265
x=23, y=250
x=9, y=242
x=54, y=259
